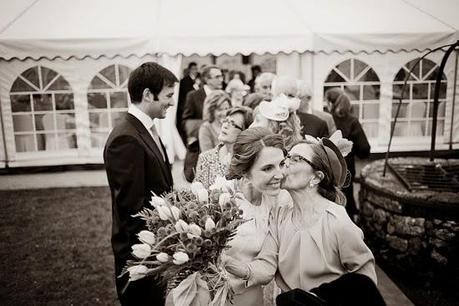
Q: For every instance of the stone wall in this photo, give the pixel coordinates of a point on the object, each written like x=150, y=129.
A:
x=416, y=231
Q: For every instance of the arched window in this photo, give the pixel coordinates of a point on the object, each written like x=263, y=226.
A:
x=43, y=111
x=108, y=99
x=415, y=116
x=362, y=85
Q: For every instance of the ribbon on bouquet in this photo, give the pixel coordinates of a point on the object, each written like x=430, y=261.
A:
x=193, y=291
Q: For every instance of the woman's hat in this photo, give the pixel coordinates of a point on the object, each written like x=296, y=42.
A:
x=280, y=108
x=336, y=161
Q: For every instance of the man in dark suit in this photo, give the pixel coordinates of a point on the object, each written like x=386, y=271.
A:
x=187, y=84
x=192, y=116
x=136, y=163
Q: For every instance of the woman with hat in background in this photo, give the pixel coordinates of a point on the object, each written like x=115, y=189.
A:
x=312, y=244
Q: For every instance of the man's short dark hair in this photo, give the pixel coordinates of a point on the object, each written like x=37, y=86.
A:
x=192, y=64
x=256, y=68
x=152, y=76
x=206, y=72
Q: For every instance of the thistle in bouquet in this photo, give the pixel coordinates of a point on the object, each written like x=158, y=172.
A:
x=185, y=235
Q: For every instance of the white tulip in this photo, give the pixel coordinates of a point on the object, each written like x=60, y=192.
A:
x=224, y=198
x=147, y=237
x=164, y=213
x=194, y=229
x=175, y=212
x=157, y=201
x=210, y=224
x=202, y=195
x=162, y=257
x=180, y=258
x=195, y=186
x=141, y=251
x=137, y=272
x=181, y=226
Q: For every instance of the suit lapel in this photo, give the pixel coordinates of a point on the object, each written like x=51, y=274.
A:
x=148, y=140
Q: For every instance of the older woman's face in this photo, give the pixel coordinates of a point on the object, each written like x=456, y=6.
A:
x=265, y=90
x=260, y=120
x=298, y=172
x=267, y=172
x=220, y=111
x=232, y=126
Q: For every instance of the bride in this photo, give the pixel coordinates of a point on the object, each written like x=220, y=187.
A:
x=257, y=162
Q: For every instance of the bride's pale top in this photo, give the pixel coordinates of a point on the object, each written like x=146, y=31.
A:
x=249, y=238
x=305, y=256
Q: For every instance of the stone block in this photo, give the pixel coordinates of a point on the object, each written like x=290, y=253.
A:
x=442, y=260
x=444, y=234
x=380, y=216
x=367, y=209
x=397, y=243
x=384, y=202
x=408, y=225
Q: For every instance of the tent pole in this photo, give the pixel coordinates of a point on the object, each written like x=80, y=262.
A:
x=454, y=102
x=3, y=135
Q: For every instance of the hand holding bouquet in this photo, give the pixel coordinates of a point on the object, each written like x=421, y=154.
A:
x=187, y=231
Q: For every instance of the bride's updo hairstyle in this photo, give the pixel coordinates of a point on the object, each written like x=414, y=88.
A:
x=328, y=159
x=248, y=146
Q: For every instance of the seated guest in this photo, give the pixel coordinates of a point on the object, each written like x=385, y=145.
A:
x=214, y=163
x=279, y=116
x=216, y=105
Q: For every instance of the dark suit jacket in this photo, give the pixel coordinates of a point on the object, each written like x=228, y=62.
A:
x=186, y=85
x=313, y=125
x=194, y=104
x=135, y=167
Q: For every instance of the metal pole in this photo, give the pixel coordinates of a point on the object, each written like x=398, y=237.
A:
x=454, y=102
x=436, y=96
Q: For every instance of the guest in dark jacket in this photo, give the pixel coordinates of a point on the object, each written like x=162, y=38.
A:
x=187, y=84
x=339, y=105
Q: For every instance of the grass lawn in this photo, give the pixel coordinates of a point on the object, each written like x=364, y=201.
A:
x=56, y=247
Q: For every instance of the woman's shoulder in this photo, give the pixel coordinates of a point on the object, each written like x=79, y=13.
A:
x=210, y=155
x=339, y=221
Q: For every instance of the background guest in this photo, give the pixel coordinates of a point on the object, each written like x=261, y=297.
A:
x=215, y=107
x=256, y=70
x=187, y=84
x=237, y=91
x=340, y=108
x=263, y=85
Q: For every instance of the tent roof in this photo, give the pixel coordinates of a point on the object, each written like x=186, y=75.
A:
x=56, y=28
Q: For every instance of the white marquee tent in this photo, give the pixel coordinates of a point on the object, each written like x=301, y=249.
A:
x=64, y=65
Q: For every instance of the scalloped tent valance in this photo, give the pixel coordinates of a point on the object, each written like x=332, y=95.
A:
x=78, y=29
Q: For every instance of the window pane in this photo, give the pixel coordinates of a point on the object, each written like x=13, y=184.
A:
x=441, y=109
x=371, y=129
x=417, y=128
x=97, y=83
x=358, y=67
x=22, y=123
x=355, y=110
x=31, y=75
x=47, y=75
x=24, y=143
x=442, y=94
x=416, y=70
x=116, y=117
x=98, y=139
x=420, y=91
x=433, y=75
x=440, y=127
x=334, y=77
x=109, y=74
x=39, y=122
x=20, y=103
x=418, y=110
x=370, y=76
x=42, y=102
x=21, y=85
x=345, y=68
x=124, y=73
x=370, y=111
x=48, y=122
x=426, y=67
x=118, y=100
x=98, y=120
x=397, y=91
x=353, y=92
x=64, y=101
x=66, y=141
x=401, y=129
x=401, y=75
x=97, y=100
x=50, y=142
x=370, y=92
x=403, y=113
x=65, y=121
x=60, y=84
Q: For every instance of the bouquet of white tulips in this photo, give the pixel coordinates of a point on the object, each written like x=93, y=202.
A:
x=185, y=234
